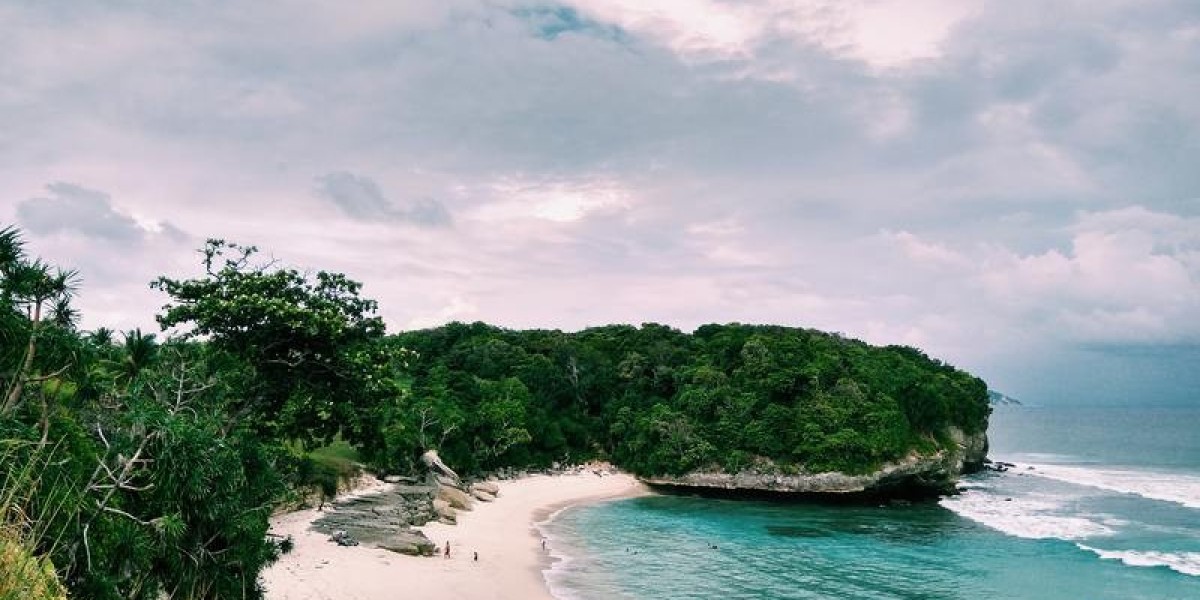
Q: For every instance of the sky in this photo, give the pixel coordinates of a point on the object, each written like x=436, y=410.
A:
x=1013, y=186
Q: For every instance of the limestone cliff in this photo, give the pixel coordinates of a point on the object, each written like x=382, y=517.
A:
x=913, y=476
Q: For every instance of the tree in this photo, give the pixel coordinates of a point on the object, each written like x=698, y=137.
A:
x=138, y=351
x=311, y=341
x=177, y=504
x=40, y=294
x=500, y=417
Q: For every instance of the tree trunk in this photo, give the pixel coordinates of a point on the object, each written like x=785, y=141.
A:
x=47, y=396
x=14, y=394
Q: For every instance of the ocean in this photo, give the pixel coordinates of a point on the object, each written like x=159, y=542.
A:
x=1101, y=503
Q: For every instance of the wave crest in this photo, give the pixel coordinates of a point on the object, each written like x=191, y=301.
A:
x=1168, y=487
x=1187, y=563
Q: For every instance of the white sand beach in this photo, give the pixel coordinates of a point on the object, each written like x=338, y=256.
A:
x=502, y=532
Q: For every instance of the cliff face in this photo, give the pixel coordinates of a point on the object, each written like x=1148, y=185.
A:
x=915, y=475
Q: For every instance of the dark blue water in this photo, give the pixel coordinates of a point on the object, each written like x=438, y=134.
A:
x=1104, y=503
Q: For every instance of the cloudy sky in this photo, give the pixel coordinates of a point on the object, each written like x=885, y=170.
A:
x=1013, y=186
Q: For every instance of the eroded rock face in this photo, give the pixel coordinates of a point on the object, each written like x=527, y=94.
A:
x=974, y=450
x=914, y=475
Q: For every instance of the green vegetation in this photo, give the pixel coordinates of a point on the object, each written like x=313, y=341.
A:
x=658, y=401
x=136, y=467
x=24, y=575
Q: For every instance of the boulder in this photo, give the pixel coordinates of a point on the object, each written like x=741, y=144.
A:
x=481, y=495
x=444, y=511
x=486, y=486
x=341, y=538
x=410, y=542
x=454, y=496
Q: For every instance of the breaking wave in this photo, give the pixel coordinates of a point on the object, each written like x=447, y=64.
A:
x=1167, y=487
x=1031, y=517
x=1187, y=563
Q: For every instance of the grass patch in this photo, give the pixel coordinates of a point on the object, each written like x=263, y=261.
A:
x=337, y=450
x=330, y=468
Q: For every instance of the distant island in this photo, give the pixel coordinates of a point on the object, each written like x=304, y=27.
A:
x=997, y=399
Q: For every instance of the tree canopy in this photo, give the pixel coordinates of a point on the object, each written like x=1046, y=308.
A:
x=312, y=345
x=656, y=400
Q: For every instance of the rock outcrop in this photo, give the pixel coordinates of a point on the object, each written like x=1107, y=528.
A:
x=382, y=520
x=916, y=475
x=971, y=450
x=455, y=497
x=488, y=487
x=411, y=542
x=445, y=513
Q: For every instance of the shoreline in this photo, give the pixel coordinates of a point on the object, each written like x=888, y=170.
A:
x=506, y=534
x=545, y=514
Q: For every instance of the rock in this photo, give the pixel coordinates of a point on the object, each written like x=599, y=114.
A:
x=489, y=487
x=342, y=538
x=969, y=452
x=373, y=519
x=454, y=496
x=481, y=495
x=916, y=475
x=444, y=511
x=392, y=479
x=410, y=542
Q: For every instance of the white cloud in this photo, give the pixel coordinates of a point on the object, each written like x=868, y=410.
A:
x=558, y=201
x=1120, y=282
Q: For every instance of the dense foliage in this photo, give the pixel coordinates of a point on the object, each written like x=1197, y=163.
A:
x=656, y=400
x=314, y=348
x=160, y=463
x=136, y=467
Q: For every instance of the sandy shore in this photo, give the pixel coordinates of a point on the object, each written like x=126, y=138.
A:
x=502, y=532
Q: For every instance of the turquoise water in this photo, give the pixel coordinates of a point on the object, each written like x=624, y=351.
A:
x=1102, y=504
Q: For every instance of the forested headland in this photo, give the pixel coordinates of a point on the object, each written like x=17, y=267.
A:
x=136, y=464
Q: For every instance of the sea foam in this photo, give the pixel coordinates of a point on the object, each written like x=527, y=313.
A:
x=1187, y=563
x=1168, y=487
x=1031, y=517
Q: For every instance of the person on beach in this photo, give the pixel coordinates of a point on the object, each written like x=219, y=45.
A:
x=447, y=548
x=476, y=559
x=543, y=544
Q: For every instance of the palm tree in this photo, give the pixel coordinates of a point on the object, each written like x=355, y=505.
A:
x=31, y=287
x=140, y=350
x=101, y=337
